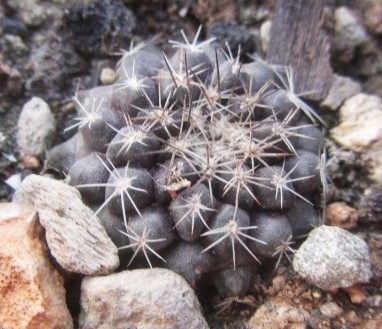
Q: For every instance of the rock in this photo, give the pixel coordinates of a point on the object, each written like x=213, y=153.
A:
x=53, y=63
x=108, y=76
x=278, y=316
x=232, y=33
x=341, y=215
x=75, y=236
x=349, y=34
x=340, y=89
x=36, y=127
x=32, y=291
x=265, y=35
x=332, y=258
x=360, y=130
x=331, y=310
x=373, y=16
x=143, y=298
x=370, y=207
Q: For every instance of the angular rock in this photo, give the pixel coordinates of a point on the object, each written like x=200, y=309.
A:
x=273, y=315
x=341, y=215
x=32, y=291
x=35, y=128
x=360, y=130
x=75, y=236
x=340, y=89
x=143, y=298
x=332, y=258
x=331, y=310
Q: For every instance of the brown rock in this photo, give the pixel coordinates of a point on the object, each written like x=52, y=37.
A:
x=31, y=290
x=341, y=215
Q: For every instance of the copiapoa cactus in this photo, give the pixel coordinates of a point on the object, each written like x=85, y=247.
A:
x=196, y=161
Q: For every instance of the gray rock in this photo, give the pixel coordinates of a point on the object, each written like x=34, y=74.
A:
x=144, y=299
x=349, y=33
x=331, y=310
x=340, y=89
x=35, y=128
x=332, y=258
x=76, y=238
x=274, y=315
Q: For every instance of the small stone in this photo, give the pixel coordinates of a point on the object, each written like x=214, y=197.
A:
x=340, y=89
x=356, y=293
x=332, y=258
x=143, y=298
x=75, y=236
x=265, y=35
x=30, y=162
x=373, y=16
x=331, y=310
x=278, y=315
x=370, y=207
x=107, y=76
x=36, y=127
x=32, y=291
x=360, y=130
x=341, y=215
x=349, y=33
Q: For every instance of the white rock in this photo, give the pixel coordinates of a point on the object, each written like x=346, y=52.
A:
x=360, y=130
x=265, y=34
x=332, y=258
x=144, y=299
x=76, y=238
x=35, y=128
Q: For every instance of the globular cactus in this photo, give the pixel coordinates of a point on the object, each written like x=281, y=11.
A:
x=196, y=161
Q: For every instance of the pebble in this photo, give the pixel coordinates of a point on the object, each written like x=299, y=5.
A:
x=332, y=258
x=142, y=298
x=108, y=76
x=76, y=238
x=32, y=291
x=360, y=130
x=275, y=315
x=341, y=215
x=331, y=310
x=373, y=16
x=35, y=128
x=265, y=35
x=349, y=33
x=340, y=89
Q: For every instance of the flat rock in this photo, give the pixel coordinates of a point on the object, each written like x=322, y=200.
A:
x=275, y=315
x=35, y=128
x=360, y=130
x=32, y=291
x=143, y=298
x=332, y=258
x=75, y=236
x=340, y=89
